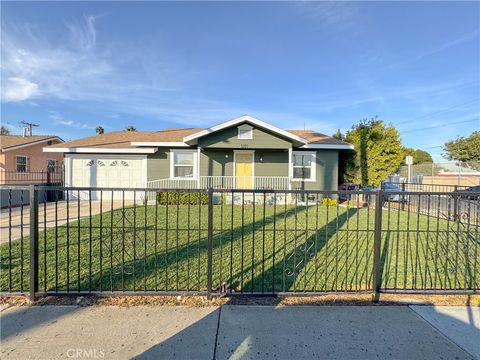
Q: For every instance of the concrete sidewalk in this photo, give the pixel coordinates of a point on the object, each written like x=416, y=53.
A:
x=240, y=332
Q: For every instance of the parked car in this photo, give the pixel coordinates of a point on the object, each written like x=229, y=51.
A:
x=394, y=188
x=467, y=193
x=346, y=187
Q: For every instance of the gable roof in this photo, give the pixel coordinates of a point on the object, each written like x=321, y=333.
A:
x=245, y=119
x=314, y=137
x=147, y=141
x=11, y=142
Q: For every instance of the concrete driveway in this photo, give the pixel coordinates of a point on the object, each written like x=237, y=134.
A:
x=241, y=332
x=14, y=218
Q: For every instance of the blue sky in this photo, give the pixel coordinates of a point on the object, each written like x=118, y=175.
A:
x=70, y=66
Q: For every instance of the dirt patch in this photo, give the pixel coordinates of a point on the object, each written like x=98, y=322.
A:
x=199, y=301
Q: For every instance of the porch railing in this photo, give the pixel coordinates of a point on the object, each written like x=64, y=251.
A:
x=224, y=182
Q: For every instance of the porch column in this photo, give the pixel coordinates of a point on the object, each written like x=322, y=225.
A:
x=199, y=150
x=290, y=175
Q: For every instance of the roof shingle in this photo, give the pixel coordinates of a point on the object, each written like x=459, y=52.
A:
x=7, y=141
x=123, y=139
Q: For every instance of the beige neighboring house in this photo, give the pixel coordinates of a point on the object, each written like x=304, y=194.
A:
x=22, y=160
x=243, y=153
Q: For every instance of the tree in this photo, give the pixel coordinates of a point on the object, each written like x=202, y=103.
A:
x=4, y=131
x=464, y=149
x=378, y=152
x=419, y=156
x=131, y=128
x=338, y=135
x=99, y=130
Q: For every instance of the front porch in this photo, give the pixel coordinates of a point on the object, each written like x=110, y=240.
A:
x=226, y=182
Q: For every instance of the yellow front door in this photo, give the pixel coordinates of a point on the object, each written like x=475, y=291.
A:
x=244, y=171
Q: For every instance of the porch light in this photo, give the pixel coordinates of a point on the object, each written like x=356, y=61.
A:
x=226, y=156
x=261, y=158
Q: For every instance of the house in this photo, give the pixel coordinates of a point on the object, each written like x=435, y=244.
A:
x=22, y=160
x=242, y=153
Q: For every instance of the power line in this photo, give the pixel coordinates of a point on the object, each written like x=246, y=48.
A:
x=432, y=147
x=438, y=112
x=441, y=126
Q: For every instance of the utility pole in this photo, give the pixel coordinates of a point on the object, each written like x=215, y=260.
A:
x=29, y=127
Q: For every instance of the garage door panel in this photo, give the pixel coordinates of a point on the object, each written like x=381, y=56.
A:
x=107, y=172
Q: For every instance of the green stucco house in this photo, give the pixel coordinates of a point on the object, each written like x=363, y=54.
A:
x=243, y=153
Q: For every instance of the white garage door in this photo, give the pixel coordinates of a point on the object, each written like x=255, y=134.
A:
x=121, y=172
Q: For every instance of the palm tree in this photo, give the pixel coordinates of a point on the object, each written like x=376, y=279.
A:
x=131, y=128
x=4, y=131
x=99, y=130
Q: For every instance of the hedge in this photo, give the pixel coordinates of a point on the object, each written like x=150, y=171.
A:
x=182, y=198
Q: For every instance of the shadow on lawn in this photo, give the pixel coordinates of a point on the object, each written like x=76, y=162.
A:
x=184, y=267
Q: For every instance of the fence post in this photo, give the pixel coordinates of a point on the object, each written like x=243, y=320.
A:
x=455, y=203
x=403, y=196
x=33, y=194
x=209, y=243
x=377, y=244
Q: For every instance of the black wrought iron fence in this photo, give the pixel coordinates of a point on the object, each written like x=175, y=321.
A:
x=176, y=241
x=53, y=175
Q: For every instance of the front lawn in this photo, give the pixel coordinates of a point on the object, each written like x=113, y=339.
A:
x=262, y=248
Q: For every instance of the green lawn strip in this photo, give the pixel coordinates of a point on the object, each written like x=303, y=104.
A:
x=138, y=249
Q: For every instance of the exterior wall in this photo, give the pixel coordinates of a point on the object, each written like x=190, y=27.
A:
x=326, y=172
x=228, y=139
x=158, y=165
x=214, y=163
x=274, y=163
x=37, y=158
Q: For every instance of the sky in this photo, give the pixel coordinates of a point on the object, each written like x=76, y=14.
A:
x=71, y=66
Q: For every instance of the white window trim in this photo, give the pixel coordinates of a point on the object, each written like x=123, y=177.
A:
x=16, y=163
x=247, y=136
x=172, y=164
x=313, y=172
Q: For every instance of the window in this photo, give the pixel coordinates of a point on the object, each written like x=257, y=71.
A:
x=22, y=164
x=183, y=164
x=303, y=164
x=245, y=132
x=51, y=166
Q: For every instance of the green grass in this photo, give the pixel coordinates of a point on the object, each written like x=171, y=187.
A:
x=314, y=249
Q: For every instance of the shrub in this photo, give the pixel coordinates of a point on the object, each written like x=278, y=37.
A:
x=329, y=202
x=182, y=198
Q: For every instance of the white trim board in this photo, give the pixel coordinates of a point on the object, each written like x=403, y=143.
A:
x=94, y=150
x=328, y=146
x=31, y=143
x=249, y=119
x=160, y=143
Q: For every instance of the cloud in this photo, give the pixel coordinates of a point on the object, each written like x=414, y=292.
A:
x=340, y=14
x=464, y=38
x=58, y=119
x=84, y=36
x=35, y=68
x=19, y=89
